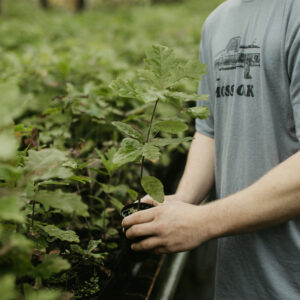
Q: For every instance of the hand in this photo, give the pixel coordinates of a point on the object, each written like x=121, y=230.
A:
x=148, y=199
x=173, y=226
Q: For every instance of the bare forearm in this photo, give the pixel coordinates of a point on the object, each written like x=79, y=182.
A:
x=273, y=199
x=176, y=226
x=198, y=176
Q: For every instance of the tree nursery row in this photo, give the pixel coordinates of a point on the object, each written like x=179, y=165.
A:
x=85, y=100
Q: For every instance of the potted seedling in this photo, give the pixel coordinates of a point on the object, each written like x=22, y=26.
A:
x=157, y=82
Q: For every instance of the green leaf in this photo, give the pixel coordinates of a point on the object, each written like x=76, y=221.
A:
x=19, y=241
x=8, y=290
x=10, y=207
x=201, y=112
x=132, y=193
x=107, y=160
x=8, y=145
x=186, y=97
x=112, y=246
x=194, y=69
x=21, y=129
x=163, y=64
x=129, y=151
x=151, y=94
x=171, y=126
x=120, y=189
x=81, y=179
x=52, y=110
x=151, y=152
x=51, y=265
x=128, y=89
x=124, y=88
x=93, y=244
x=11, y=102
x=47, y=163
x=128, y=130
x=77, y=249
x=116, y=203
x=153, y=187
x=99, y=256
x=8, y=172
x=63, y=235
x=52, y=182
x=42, y=294
x=112, y=232
x=66, y=202
x=160, y=142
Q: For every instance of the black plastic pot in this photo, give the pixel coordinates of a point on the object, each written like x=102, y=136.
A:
x=128, y=210
x=131, y=208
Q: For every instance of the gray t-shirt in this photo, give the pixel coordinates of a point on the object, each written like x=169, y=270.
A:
x=251, y=48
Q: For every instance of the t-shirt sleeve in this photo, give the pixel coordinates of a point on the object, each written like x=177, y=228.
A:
x=293, y=65
x=205, y=126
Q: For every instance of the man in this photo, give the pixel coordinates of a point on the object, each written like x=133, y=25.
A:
x=250, y=147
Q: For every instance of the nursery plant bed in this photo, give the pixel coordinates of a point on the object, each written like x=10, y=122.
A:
x=147, y=276
x=132, y=276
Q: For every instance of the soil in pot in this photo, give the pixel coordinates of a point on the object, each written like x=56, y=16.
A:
x=132, y=208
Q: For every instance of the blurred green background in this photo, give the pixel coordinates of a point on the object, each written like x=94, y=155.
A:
x=56, y=45
x=50, y=49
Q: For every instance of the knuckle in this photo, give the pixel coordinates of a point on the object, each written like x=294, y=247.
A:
x=156, y=228
x=161, y=227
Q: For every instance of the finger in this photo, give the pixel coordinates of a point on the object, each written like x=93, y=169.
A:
x=147, y=244
x=160, y=250
x=135, y=231
x=149, y=200
x=139, y=217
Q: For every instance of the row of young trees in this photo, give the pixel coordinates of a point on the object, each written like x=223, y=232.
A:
x=81, y=4
x=77, y=4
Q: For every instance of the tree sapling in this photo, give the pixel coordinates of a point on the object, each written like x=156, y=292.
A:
x=158, y=82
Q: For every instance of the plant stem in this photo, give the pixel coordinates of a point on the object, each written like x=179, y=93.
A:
x=161, y=262
x=143, y=158
x=44, y=3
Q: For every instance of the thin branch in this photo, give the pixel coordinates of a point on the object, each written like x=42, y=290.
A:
x=143, y=158
x=161, y=262
x=44, y=3
x=80, y=5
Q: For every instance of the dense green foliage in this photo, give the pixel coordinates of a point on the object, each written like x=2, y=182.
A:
x=61, y=187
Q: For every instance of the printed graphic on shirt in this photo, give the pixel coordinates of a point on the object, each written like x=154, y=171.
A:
x=246, y=90
x=236, y=55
